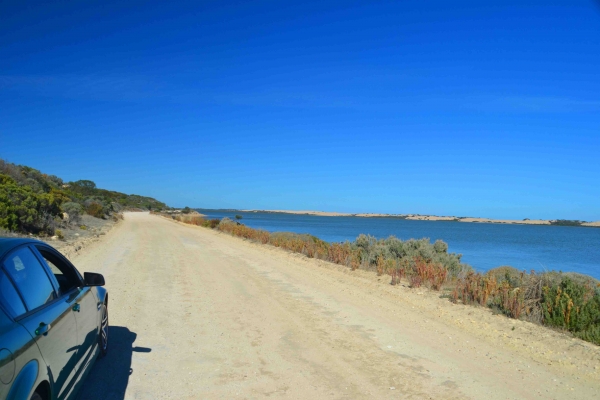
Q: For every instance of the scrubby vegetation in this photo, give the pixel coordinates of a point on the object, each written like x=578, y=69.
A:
x=196, y=220
x=420, y=261
x=24, y=209
x=34, y=202
x=569, y=302
x=566, y=222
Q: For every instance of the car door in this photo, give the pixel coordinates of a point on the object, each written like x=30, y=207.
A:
x=85, y=303
x=18, y=350
x=48, y=317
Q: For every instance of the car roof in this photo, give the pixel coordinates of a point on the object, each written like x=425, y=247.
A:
x=7, y=244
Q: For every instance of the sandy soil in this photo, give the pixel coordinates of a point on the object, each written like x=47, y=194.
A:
x=76, y=239
x=308, y=212
x=430, y=218
x=595, y=223
x=507, y=221
x=199, y=314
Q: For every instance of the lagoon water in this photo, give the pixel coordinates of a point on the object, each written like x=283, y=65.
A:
x=484, y=246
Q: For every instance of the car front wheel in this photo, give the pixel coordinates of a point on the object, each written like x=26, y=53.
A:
x=103, y=336
x=36, y=396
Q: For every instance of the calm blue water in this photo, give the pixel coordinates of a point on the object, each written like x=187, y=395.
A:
x=484, y=246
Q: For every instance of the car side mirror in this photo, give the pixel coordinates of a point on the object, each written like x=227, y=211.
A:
x=93, y=279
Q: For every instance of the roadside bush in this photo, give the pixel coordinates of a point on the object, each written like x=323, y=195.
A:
x=197, y=220
x=572, y=306
x=550, y=299
x=475, y=288
x=212, y=223
x=95, y=210
x=74, y=211
x=23, y=210
x=440, y=246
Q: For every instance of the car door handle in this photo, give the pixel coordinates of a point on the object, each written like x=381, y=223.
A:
x=76, y=307
x=42, y=329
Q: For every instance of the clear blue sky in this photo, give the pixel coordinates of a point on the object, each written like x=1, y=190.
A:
x=482, y=108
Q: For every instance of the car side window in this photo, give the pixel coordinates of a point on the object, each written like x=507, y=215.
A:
x=29, y=277
x=66, y=276
x=9, y=297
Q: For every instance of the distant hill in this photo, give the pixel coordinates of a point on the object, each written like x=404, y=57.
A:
x=34, y=202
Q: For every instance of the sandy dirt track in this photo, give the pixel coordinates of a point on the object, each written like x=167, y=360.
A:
x=196, y=314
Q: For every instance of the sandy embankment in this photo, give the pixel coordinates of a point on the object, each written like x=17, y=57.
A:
x=77, y=239
x=507, y=221
x=417, y=217
x=200, y=314
x=596, y=224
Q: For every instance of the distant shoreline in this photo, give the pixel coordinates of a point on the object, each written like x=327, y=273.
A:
x=417, y=217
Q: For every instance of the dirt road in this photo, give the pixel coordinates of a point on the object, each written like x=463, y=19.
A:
x=201, y=315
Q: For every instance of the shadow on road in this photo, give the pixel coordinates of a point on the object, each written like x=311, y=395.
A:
x=109, y=376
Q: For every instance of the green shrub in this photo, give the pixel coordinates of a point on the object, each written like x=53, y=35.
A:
x=59, y=234
x=213, y=223
x=590, y=334
x=571, y=306
x=512, y=276
x=440, y=246
x=74, y=211
x=24, y=210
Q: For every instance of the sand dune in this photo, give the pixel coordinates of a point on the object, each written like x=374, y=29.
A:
x=418, y=217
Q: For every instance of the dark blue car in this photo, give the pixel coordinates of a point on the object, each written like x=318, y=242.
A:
x=53, y=322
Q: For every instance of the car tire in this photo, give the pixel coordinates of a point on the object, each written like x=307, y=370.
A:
x=36, y=396
x=103, y=334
